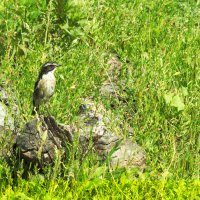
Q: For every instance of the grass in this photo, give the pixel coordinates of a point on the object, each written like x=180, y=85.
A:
x=161, y=40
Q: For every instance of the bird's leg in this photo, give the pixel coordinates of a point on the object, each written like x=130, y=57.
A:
x=35, y=110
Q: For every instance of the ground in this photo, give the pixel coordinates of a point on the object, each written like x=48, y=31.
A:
x=158, y=45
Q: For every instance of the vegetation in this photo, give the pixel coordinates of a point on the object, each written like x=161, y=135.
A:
x=160, y=39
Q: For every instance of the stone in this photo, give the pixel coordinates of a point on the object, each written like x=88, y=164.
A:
x=42, y=140
x=120, y=152
x=6, y=119
x=8, y=115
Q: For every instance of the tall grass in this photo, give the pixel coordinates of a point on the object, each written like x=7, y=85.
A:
x=160, y=39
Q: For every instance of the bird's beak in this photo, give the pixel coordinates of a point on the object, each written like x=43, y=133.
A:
x=58, y=65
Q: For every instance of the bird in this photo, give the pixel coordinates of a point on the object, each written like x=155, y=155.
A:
x=44, y=86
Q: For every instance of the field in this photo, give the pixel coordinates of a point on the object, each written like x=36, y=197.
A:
x=158, y=45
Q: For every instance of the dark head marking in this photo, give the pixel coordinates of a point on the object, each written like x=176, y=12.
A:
x=47, y=67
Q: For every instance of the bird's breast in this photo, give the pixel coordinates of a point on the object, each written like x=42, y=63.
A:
x=47, y=85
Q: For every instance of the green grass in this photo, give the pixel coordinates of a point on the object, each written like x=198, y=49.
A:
x=161, y=39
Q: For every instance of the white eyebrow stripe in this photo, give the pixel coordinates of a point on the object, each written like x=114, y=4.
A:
x=48, y=64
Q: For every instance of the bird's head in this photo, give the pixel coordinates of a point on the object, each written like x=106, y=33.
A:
x=48, y=67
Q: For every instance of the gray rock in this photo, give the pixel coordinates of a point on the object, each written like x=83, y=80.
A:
x=8, y=115
x=6, y=112
x=113, y=88
x=2, y=114
x=110, y=86
x=106, y=143
x=43, y=140
x=128, y=155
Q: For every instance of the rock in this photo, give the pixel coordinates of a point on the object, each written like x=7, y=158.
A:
x=113, y=88
x=110, y=87
x=6, y=119
x=117, y=150
x=2, y=115
x=128, y=155
x=8, y=115
x=43, y=140
x=115, y=68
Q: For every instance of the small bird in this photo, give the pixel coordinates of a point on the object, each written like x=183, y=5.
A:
x=45, y=85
